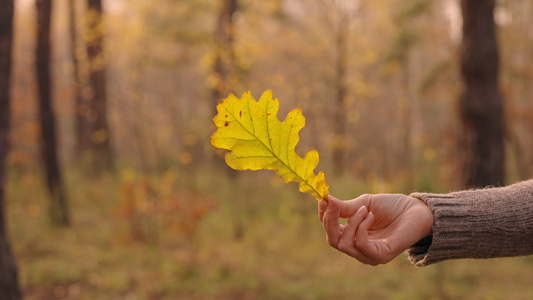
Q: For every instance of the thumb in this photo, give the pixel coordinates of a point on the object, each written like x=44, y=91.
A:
x=331, y=198
x=350, y=207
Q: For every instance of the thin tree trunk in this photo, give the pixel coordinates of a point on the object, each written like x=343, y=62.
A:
x=481, y=102
x=224, y=67
x=82, y=125
x=9, y=286
x=225, y=74
x=58, y=205
x=406, y=107
x=100, y=135
x=339, y=125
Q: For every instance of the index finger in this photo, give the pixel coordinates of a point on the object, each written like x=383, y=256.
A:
x=322, y=205
x=331, y=223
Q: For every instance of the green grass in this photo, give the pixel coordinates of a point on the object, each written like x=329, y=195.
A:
x=205, y=235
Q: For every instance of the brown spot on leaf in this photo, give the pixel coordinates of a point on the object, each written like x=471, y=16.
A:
x=240, y=114
x=226, y=124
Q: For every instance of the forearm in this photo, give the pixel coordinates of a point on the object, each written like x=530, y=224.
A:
x=485, y=223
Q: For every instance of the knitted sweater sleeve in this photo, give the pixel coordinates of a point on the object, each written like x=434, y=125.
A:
x=484, y=223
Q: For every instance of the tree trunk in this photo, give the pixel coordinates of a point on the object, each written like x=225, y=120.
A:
x=406, y=107
x=97, y=114
x=481, y=105
x=224, y=66
x=223, y=70
x=339, y=125
x=9, y=287
x=58, y=205
x=82, y=125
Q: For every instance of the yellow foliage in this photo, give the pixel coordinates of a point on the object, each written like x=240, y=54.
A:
x=258, y=140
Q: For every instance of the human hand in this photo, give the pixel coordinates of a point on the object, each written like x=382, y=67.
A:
x=379, y=227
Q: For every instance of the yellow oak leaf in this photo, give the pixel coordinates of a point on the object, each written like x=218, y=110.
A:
x=258, y=140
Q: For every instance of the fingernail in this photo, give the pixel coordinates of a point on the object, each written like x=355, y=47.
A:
x=322, y=204
x=361, y=210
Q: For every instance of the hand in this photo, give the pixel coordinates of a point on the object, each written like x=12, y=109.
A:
x=379, y=227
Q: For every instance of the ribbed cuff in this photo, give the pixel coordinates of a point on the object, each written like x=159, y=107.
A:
x=451, y=230
x=485, y=223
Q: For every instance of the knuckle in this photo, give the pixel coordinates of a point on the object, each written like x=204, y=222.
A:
x=371, y=197
x=344, y=247
x=368, y=198
x=326, y=219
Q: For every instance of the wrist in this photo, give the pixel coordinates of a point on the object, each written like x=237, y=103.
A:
x=425, y=217
x=429, y=220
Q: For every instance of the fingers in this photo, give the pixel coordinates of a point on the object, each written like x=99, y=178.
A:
x=352, y=238
x=377, y=251
x=372, y=239
x=361, y=237
x=330, y=221
x=347, y=239
x=321, y=209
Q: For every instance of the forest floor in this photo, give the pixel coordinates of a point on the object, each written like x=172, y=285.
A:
x=168, y=236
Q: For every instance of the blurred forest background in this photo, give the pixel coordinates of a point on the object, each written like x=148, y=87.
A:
x=113, y=191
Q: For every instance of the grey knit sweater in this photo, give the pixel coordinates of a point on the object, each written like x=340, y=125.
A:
x=484, y=223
